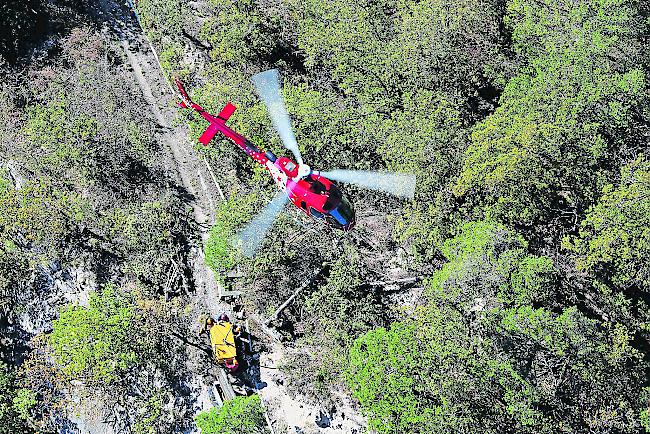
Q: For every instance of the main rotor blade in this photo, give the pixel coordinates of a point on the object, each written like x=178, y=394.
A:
x=398, y=184
x=267, y=84
x=250, y=238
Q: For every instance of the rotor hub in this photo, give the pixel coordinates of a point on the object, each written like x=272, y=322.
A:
x=303, y=171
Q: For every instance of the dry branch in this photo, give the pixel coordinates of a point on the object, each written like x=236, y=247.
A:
x=404, y=281
x=284, y=305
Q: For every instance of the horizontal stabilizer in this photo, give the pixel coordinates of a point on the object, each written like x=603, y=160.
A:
x=227, y=111
x=209, y=134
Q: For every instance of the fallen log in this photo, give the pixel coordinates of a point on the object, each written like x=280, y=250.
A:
x=404, y=281
x=293, y=296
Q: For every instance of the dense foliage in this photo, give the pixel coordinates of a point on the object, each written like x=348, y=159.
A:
x=80, y=178
x=526, y=123
x=482, y=354
x=94, y=343
x=614, y=238
x=242, y=415
x=108, y=347
x=14, y=403
x=87, y=202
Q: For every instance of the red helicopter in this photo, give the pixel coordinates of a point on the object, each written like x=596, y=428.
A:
x=312, y=191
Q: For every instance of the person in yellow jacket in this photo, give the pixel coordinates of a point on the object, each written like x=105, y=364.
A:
x=222, y=339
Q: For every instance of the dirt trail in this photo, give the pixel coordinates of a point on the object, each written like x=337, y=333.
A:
x=193, y=173
x=296, y=415
x=190, y=171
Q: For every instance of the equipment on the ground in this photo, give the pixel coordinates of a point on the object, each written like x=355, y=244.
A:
x=312, y=191
x=222, y=339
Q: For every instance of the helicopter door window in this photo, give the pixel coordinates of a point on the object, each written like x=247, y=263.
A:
x=333, y=198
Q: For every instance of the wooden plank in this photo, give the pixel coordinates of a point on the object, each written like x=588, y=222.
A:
x=224, y=293
x=215, y=398
x=224, y=383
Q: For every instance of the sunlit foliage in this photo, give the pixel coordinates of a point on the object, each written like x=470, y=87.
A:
x=242, y=415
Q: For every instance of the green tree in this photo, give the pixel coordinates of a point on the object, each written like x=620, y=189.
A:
x=97, y=186
x=241, y=33
x=36, y=223
x=14, y=269
x=241, y=415
x=149, y=415
x=75, y=110
x=148, y=236
x=83, y=181
x=363, y=46
x=221, y=253
x=488, y=263
x=39, y=216
x=398, y=402
x=95, y=344
x=480, y=356
x=614, y=237
x=163, y=20
x=567, y=115
x=14, y=405
x=338, y=311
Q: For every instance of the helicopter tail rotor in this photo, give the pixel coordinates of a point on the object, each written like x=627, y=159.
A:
x=267, y=84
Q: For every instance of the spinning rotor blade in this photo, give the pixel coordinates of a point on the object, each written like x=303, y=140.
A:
x=267, y=84
x=398, y=184
x=250, y=238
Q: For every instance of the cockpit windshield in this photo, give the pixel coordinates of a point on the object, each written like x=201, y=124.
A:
x=346, y=210
x=333, y=198
x=342, y=216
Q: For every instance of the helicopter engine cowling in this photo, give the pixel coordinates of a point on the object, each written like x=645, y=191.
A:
x=287, y=166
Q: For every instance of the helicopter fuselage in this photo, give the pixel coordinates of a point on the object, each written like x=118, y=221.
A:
x=312, y=193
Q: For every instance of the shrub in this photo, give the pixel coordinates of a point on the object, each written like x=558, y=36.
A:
x=242, y=415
